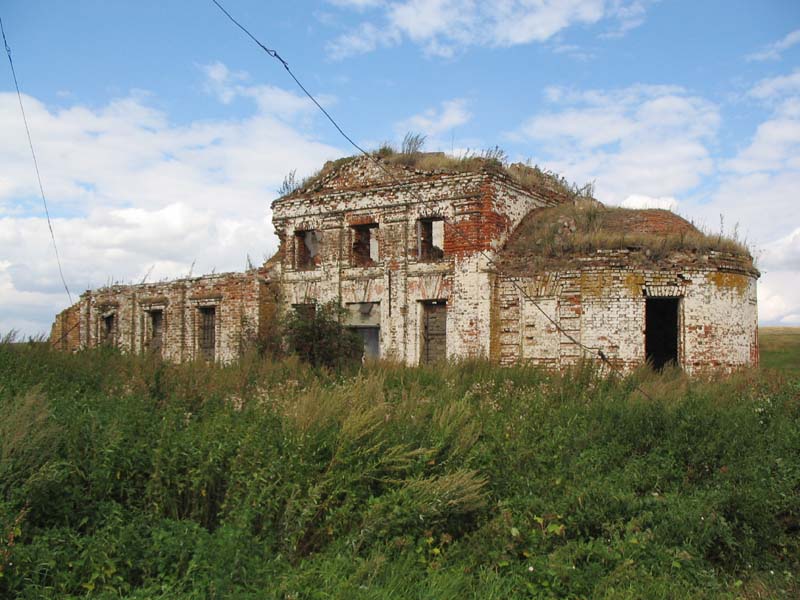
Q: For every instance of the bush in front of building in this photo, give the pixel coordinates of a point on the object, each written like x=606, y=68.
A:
x=319, y=337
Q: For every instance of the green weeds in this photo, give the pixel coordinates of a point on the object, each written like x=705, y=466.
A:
x=126, y=477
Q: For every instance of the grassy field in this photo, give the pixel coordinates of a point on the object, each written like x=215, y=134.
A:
x=780, y=348
x=122, y=477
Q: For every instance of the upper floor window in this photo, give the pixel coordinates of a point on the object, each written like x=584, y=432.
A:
x=306, y=249
x=430, y=238
x=365, y=244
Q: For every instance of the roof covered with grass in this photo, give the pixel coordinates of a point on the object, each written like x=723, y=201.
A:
x=572, y=234
x=387, y=166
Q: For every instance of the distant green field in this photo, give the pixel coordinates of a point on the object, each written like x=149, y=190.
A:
x=780, y=348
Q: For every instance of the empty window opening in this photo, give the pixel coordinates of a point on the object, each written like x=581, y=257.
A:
x=433, y=332
x=306, y=249
x=661, y=331
x=306, y=311
x=207, y=332
x=108, y=330
x=365, y=244
x=156, y=330
x=371, y=339
x=430, y=238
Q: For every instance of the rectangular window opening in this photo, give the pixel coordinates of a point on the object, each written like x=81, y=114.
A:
x=207, y=332
x=365, y=244
x=306, y=249
x=430, y=238
x=371, y=339
x=306, y=310
x=433, y=332
x=661, y=331
x=156, y=331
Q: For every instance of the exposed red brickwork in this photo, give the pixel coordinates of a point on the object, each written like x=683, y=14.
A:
x=652, y=221
x=237, y=299
x=65, y=334
x=436, y=240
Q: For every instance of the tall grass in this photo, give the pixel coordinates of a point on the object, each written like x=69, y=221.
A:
x=126, y=477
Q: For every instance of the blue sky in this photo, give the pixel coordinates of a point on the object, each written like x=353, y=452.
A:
x=163, y=133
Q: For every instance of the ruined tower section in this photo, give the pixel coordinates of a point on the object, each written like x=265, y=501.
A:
x=407, y=253
x=638, y=285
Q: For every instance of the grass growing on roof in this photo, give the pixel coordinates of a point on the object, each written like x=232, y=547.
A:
x=411, y=156
x=559, y=236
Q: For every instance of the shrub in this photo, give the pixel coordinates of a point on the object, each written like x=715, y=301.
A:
x=321, y=339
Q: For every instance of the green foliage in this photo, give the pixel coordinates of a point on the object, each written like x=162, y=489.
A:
x=126, y=477
x=320, y=339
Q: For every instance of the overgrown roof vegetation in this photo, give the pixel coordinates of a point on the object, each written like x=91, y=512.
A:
x=558, y=237
x=411, y=156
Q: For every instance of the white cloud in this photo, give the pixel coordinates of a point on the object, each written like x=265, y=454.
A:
x=366, y=38
x=775, y=146
x=219, y=80
x=443, y=27
x=774, y=50
x=772, y=304
x=758, y=189
x=650, y=141
x=628, y=14
x=759, y=184
x=775, y=87
x=642, y=201
x=129, y=190
x=573, y=51
x=433, y=122
x=226, y=86
x=651, y=146
x=784, y=253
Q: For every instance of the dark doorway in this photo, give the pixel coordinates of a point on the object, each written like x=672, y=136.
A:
x=109, y=329
x=207, y=333
x=156, y=330
x=434, y=332
x=661, y=331
x=371, y=337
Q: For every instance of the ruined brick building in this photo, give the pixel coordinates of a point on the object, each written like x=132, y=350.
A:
x=450, y=258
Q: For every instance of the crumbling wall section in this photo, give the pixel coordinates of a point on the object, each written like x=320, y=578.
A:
x=122, y=316
x=477, y=210
x=65, y=333
x=602, y=306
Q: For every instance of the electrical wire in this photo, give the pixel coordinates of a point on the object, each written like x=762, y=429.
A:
x=35, y=162
x=274, y=54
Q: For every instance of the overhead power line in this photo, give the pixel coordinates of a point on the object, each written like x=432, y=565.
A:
x=274, y=54
x=35, y=162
